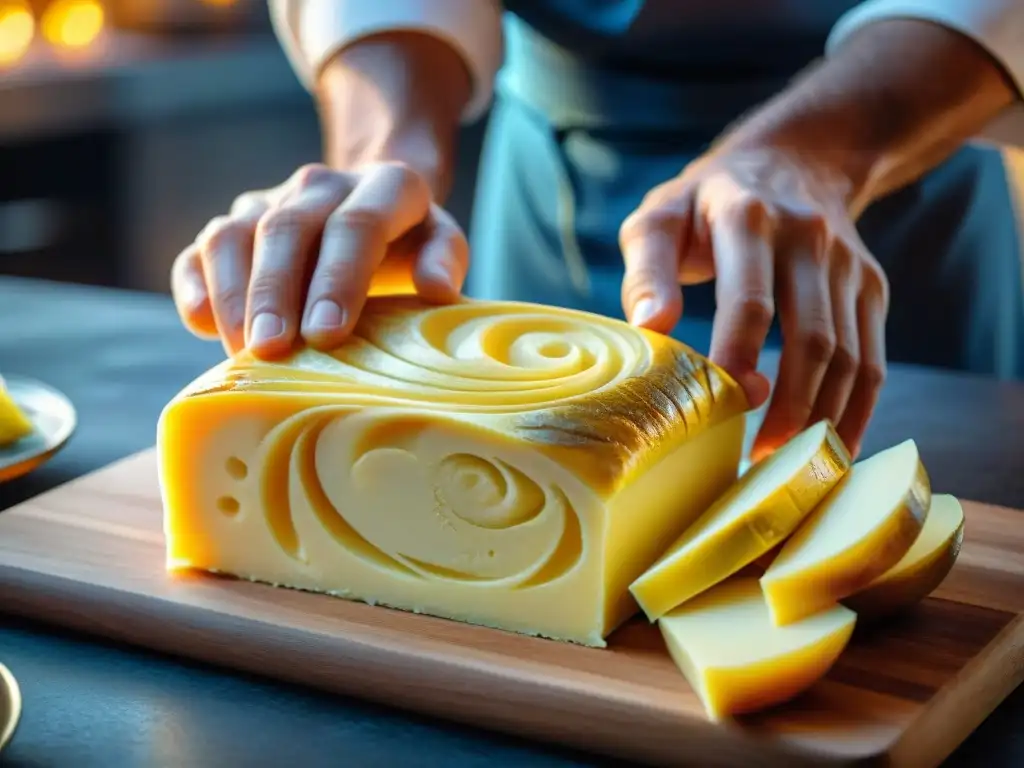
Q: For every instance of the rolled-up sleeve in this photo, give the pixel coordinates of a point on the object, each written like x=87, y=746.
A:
x=996, y=25
x=312, y=31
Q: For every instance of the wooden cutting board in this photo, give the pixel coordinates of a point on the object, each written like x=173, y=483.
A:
x=89, y=555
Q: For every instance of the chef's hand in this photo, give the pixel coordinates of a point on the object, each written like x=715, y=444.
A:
x=776, y=234
x=297, y=260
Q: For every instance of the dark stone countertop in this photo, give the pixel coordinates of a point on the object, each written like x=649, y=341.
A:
x=120, y=356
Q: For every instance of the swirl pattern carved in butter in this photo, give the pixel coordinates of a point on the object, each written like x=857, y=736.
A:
x=481, y=427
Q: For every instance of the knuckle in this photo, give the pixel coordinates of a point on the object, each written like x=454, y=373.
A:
x=873, y=376
x=185, y=261
x=808, y=224
x=337, y=283
x=630, y=228
x=230, y=299
x=335, y=277
x=661, y=195
x=267, y=290
x=756, y=311
x=368, y=220
x=841, y=262
x=646, y=221
x=747, y=210
x=403, y=173
x=247, y=201
x=642, y=277
x=818, y=346
x=876, y=284
x=845, y=361
x=412, y=183
x=284, y=222
x=312, y=174
x=222, y=231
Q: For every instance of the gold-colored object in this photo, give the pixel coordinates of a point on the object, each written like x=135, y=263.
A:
x=864, y=527
x=72, y=24
x=14, y=424
x=53, y=419
x=10, y=706
x=17, y=29
x=500, y=463
x=754, y=516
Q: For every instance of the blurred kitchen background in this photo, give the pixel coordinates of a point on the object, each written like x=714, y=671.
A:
x=125, y=125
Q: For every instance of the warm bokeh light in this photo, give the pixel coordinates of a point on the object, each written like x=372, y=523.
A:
x=72, y=23
x=17, y=28
x=219, y=2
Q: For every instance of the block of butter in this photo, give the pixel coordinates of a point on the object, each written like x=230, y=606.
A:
x=504, y=464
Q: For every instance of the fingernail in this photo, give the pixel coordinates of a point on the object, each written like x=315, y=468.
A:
x=266, y=326
x=326, y=316
x=643, y=312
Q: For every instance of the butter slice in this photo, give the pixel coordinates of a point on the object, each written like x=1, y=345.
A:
x=862, y=529
x=737, y=660
x=922, y=569
x=14, y=424
x=504, y=464
x=759, y=511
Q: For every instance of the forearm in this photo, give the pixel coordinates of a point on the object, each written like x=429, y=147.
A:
x=896, y=99
x=395, y=96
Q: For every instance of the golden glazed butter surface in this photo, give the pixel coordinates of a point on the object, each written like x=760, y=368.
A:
x=864, y=527
x=922, y=569
x=505, y=464
x=751, y=518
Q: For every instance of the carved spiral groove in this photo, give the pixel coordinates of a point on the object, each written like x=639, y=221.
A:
x=469, y=357
x=401, y=453
x=377, y=485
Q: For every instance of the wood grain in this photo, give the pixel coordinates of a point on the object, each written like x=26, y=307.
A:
x=89, y=556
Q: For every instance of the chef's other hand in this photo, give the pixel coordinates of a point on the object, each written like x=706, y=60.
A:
x=776, y=234
x=297, y=260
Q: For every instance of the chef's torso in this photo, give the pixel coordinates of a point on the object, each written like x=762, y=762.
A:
x=666, y=33
x=652, y=63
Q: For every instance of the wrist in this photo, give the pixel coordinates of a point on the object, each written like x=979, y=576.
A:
x=394, y=97
x=890, y=104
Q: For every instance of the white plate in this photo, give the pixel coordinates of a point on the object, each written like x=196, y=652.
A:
x=10, y=705
x=53, y=417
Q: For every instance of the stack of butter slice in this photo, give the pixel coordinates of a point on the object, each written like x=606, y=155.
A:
x=14, y=424
x=831, y=542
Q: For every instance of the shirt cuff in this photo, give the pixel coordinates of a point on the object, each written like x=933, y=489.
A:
x=312, y=31
x=995, y=25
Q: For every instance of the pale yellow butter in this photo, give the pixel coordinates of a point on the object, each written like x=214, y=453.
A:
x=737, y=660
x=14, y=424
x=505, y=464
x=758, y=512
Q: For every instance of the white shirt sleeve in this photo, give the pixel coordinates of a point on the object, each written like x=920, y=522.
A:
x=996, y=25
x=312, y=31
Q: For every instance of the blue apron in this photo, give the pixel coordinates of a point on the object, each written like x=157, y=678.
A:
x=601, y=100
